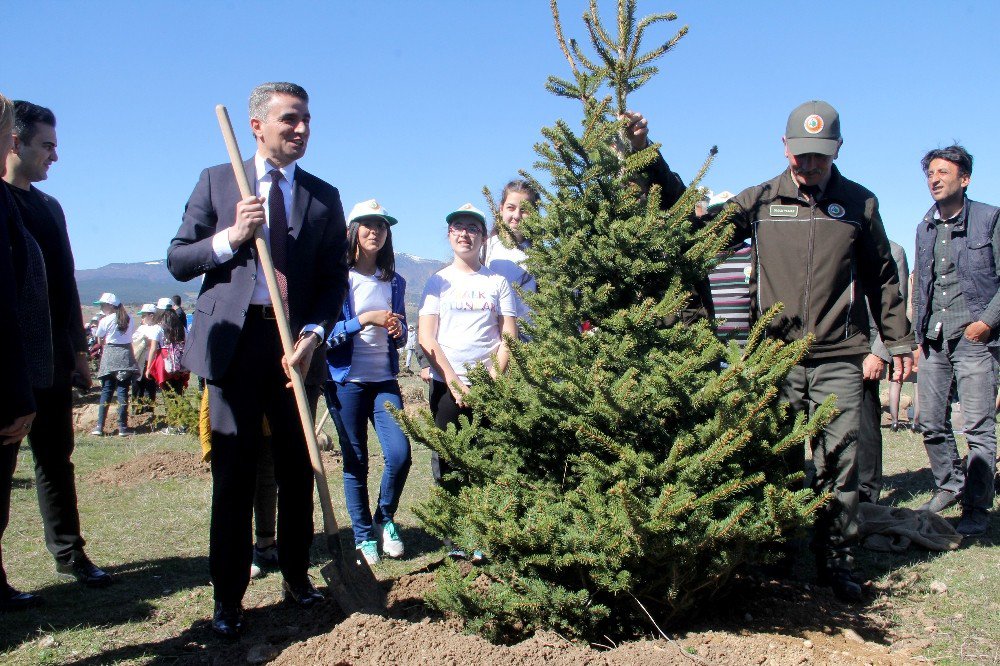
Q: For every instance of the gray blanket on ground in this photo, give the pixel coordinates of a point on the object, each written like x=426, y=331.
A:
x=892, y=529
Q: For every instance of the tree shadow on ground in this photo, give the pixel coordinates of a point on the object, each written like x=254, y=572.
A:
x=68, y=605
x=268, y=631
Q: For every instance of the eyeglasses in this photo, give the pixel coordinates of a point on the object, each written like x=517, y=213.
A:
x=471, y=229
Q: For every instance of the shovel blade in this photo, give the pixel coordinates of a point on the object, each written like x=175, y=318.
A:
x=351, y=582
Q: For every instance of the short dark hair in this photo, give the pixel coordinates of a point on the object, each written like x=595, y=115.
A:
x=955, y=154
x=26, y=115
x=176, y=298
x=260, y=97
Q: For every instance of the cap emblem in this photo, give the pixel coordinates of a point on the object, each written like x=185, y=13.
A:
x=813, y=124
x=835, y=210
x=373, y=204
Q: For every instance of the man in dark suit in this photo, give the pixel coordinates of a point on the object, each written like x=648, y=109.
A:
x=17, y=399
x=234, y=343
x=51, y=439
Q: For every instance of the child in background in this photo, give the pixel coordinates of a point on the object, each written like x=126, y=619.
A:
x=118, y=365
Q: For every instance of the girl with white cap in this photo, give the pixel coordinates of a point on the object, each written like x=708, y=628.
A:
x=118, y=366
x=465, y=310
x=144, y=388
x=363, y=361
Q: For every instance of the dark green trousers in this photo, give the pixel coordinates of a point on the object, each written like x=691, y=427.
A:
x=833, y=451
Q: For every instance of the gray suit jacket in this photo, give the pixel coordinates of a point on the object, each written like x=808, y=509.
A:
x=317, y=268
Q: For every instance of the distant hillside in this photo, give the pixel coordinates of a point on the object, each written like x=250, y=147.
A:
x=147, y=281
x=136, y=283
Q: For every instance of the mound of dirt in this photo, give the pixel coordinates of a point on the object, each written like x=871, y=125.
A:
x=154, y=466
x=415, y=634
x=367, y=639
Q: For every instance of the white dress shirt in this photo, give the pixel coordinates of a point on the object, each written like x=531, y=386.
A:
x=220, y=242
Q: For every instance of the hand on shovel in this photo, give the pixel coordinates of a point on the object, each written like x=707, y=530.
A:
x=301, y=357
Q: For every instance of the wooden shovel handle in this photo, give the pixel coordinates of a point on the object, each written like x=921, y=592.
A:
x=287, y=341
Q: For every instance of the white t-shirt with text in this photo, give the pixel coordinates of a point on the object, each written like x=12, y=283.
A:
x=469, y=306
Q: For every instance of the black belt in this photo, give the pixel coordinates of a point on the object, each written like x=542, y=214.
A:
x=262, y=311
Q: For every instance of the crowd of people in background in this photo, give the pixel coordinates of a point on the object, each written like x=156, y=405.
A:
x=138, y=358
x=808, y=237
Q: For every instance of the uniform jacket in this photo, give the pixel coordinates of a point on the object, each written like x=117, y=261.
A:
x=972, y=252
x=317, y=270
x=672, y=187
x=341, y=338
x=820, y=261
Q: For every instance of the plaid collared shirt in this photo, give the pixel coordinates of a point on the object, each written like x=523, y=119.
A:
x=947, y=306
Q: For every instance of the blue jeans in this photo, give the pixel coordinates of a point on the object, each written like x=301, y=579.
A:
x=109, y=385
x=970, y=365
x=352, y=405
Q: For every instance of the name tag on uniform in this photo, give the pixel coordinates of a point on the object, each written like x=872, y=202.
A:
x=784, y=211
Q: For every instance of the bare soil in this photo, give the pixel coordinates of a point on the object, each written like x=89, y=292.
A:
x=155, y=466
x=769, y=623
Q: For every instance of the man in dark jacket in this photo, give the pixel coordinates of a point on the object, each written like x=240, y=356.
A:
x=234, y=342
x=51, y=439
x=818, y=244
x=956, y=302
x=17, y=399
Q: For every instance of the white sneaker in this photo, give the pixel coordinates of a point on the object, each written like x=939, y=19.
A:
x=369, y=550
x=392, y=545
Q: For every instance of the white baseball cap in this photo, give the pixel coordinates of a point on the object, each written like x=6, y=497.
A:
x=109, y=299
x=466, y=209
x=164, y=304
x=370, y=208
x=147, y=308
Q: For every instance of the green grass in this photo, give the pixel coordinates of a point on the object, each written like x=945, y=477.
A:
x=963, y=623
x=153, y=537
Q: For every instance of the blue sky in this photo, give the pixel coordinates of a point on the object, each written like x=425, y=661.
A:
x=420, y=104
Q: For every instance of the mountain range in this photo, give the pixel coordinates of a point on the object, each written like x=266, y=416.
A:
x=147, y=281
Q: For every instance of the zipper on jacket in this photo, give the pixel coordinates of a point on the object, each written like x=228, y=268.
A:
x=756, y=267
x=850, y=304
x=809, y=269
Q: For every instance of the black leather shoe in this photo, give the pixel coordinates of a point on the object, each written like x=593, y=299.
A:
x=304, y=594
x=227, y=621
x=843, y=584
x=81, y=568
x=15, y=600
x=939, y=501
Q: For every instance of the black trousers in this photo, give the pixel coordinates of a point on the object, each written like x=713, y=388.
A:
x=51, y=442
x=870, y=443
x=8, y=461
x=254, y=387
x=445, y=410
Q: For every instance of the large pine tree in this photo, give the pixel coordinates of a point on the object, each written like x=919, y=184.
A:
x=617, y=467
